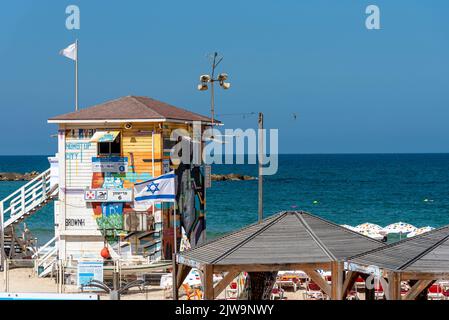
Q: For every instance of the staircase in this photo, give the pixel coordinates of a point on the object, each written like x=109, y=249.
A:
x=23, y=203
x=27, y=200
x=46, y=258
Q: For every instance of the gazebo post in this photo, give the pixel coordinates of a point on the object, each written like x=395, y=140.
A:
x=208, y=282
x=182, y=273
x=337, y=273
x=394, y=285
x=350, y=279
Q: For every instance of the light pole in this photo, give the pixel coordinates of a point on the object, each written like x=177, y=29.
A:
x=260, y=177
x=206, y=79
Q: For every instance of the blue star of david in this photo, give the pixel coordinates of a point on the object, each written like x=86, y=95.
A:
x=153, y=187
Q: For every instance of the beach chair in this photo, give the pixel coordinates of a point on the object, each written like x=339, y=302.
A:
x=313, y=292
x=288, y=281
x=435, y=292
x=445, y=294
x=232, y=291
x=359, y=283
x=277, y=293
x=379, y=293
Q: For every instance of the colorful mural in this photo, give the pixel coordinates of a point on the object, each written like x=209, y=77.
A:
x=191, y=201
x=109, y=215
x=137, y=155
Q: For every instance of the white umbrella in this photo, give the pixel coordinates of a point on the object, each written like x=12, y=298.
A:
x=420, y=231
x=399, y=227
x=298, y=273
x=367, y=226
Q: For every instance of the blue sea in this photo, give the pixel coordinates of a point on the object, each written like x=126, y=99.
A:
x=344, y=188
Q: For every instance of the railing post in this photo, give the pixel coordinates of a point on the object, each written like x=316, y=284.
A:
x=6, y=275
x=2, y=237
x=44, y=187
x=22, y=193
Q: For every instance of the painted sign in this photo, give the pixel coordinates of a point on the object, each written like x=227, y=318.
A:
x=80, y=133
x=108, y=195
x=110, y=164
x=104, y=136
x=80, y=222
x=75, y=150
x=111, y=216
x=87, y=271
x=108, y=209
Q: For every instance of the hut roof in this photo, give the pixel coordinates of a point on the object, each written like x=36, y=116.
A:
x=285, y=238
x=428, y=252
x=130, y=108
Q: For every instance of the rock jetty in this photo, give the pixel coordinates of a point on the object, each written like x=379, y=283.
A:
x=14, y=176
x=231, y=176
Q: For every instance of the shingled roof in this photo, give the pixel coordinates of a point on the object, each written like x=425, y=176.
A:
x=130, y=108
x=285, y=238
x=428, y=252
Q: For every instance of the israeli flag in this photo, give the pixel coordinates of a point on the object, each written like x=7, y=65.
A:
x=161, y=188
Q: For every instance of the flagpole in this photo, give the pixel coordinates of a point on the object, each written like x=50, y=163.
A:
x=76, y=76
x=175, y=284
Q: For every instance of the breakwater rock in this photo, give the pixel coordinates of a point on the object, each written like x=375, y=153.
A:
x=14, y=176
x=231, y=176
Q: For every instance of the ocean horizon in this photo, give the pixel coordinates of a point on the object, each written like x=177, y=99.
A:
x=345, y=188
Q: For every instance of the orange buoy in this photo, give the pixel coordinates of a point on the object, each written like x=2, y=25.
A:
x=105, y=253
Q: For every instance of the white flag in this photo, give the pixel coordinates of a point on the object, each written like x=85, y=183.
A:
x=70, y=52
x=161, y=189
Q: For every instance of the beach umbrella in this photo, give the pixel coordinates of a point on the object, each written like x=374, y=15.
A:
x=371, y=227
x=347, y=226
x=420, y=231
x=399, y=227
x=298, y=273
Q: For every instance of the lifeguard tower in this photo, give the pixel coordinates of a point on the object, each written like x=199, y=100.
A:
x=103, y=151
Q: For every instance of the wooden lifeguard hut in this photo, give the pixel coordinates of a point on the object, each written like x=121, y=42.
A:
x=103, y=151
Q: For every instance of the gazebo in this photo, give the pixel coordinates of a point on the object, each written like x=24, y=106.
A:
x=422, y=260
x=292, y=240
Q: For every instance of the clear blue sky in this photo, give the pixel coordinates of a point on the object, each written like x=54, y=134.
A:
x=353, y=89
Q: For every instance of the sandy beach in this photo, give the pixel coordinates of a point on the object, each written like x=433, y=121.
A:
x=24, y=280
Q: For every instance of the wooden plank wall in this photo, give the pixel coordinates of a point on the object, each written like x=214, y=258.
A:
x=79, y=228
x=137, y=146
x=79, y=152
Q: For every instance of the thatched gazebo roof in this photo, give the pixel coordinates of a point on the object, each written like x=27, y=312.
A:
x=423, y=258
x=293, y=240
